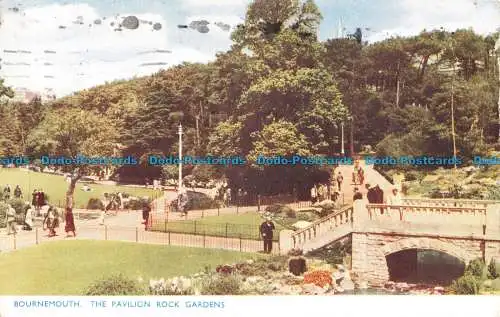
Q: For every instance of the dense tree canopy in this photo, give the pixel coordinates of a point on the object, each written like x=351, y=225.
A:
x=279, y=90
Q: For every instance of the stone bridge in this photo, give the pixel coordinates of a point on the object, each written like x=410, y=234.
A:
x=465, y=229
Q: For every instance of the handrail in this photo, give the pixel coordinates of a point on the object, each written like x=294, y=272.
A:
x=319, y=221
x=449, y=208
x=479, y=201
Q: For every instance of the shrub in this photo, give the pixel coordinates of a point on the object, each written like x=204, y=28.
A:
x=278, y=209
x=95, y=204
x=290, y=213
x=204, y=173
x=224, y=269
x=114, y=285
x=263, y=265
x=412, y=176
x=3, y=214
x=476, y=268
x=334, y=253
x=309, y=217
x=176, y=286
x=137, y=204
x=493, y=270
x=466, y=285
x=196, y=202
x=221, y=285
x=325, y=212
x=19, y=206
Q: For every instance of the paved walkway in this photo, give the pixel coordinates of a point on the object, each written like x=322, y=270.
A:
x=372, y=177
x=126, y=226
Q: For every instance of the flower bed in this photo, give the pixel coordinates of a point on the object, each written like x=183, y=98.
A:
x=265, y=276
x=319, y=278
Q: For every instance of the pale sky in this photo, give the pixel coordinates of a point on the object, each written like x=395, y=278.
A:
x=88, y=54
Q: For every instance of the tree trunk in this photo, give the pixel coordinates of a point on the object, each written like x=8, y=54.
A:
x=423, y=68
x=71, y=191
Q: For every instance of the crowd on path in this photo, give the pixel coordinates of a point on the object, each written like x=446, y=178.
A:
x=51, y=215
x=328, y=190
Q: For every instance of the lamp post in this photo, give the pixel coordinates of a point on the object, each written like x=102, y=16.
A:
x=342, y=150
x=497, y=55
x=453, y=105
x=180, y=158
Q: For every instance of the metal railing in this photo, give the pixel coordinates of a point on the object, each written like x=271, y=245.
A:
x=134, y=234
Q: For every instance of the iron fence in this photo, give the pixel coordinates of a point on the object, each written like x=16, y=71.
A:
x=196, y=227
x=135, y=235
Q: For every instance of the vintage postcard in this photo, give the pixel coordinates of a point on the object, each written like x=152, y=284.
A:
x=164, y=156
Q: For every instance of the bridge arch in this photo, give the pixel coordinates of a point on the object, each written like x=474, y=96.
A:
x=425, y=243
x=371, y=252
x=403, y=261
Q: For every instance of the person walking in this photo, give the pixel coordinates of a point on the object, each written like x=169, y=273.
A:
x=394, y=199
x=70, y=223
x=28, y=220
x=34, y=199
x=361, y=175
x=146, y=211
x=18, y=192
x=41, y=198
x=51, y=221
x=314, y=194
x=340, y=179
x=11, y=220
x=6, y=192
x=321, y=192
x=266, y=231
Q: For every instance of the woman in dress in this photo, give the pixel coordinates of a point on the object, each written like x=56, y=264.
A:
x=28, y=220
x=11, y=220
x=51, y=221
x=70, y=223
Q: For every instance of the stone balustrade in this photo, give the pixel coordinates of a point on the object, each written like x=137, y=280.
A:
x=422, y=217
x=431, y=220
x=322, y=226
x=448, y=202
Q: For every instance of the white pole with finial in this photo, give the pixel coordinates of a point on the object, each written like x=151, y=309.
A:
x=180, y=157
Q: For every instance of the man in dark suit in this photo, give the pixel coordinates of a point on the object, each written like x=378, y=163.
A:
x=371, y=195
x=266, y=231
x=375, y=195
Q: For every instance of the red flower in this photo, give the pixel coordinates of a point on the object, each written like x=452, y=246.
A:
x=318, y=278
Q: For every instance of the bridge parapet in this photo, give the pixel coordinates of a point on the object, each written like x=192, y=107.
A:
x=428, y=220
x=342, y=218
x=471, y=219
x=428, y=202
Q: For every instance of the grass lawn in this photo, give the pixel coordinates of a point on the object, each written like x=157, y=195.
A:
x=233, y=225
x=69, y=267
x=55, y=186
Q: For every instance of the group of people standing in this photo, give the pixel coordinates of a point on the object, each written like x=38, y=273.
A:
x=330, y=191
x=38, y=200
x=18, y=193
x=375, y=195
